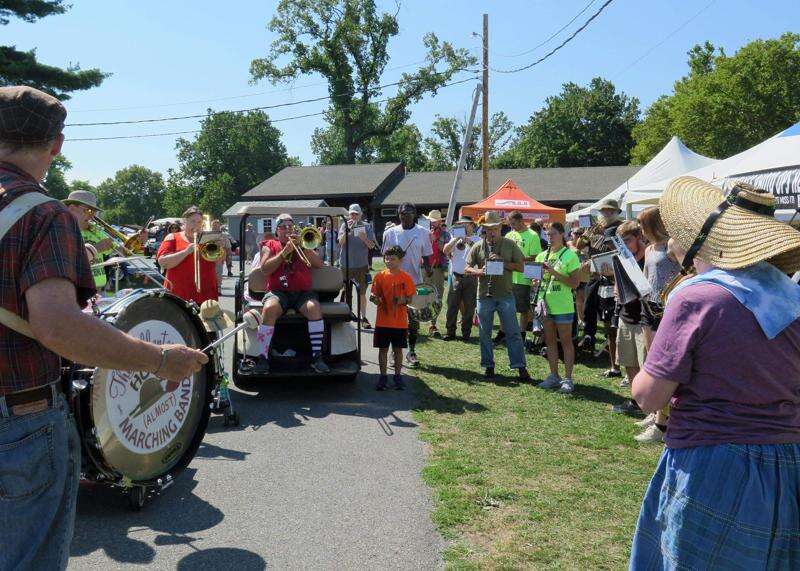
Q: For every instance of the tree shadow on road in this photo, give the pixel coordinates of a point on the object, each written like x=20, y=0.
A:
x=105, y=522
x=291, y=404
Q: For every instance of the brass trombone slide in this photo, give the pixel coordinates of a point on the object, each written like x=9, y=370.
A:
x=130, y=246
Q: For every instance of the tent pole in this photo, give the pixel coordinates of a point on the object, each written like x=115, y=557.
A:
x=451, y=207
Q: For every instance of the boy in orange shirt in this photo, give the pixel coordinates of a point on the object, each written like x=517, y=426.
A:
x=392, y=289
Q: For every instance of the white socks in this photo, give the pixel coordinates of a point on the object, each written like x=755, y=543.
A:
x=316, y=329
x=264, y=336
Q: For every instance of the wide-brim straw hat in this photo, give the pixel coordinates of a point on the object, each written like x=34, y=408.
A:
x=744, y=234
x=214, y=317
x=434, y=216
x=83, y=197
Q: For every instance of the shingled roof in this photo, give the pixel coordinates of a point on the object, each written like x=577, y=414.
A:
x=328, y=181
x=584, y=184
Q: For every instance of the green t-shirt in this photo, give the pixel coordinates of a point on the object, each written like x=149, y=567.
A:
x=528, y=241
x=93, y=236
x=557, y=295
x=500, y=285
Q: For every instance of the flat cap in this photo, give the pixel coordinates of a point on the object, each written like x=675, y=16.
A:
x=29, y=116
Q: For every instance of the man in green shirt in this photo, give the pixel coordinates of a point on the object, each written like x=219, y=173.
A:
x=82, y=204
x=530, y=245
x=493, y=252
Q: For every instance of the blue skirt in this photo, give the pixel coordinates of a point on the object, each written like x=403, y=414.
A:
x=728, y=506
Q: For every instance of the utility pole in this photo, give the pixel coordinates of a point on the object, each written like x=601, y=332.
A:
x=485, y=122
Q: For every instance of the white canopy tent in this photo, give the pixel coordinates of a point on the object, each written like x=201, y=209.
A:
x=674, y=159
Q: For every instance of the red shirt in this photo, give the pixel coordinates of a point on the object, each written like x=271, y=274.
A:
x=387, y=286
x=295, y=276
x=45, y=243
x=180, y=279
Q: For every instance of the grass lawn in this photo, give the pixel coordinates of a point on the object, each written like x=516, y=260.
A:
x=527, y=478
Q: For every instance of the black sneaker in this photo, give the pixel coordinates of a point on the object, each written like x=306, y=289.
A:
x=320, y=366
x=628, y=407
x=381, y=386
x=489, y=374
x=449, y=337
x=524, y=376
x=254, y=366
x=587, y=344
x=399, y=384
x=612, y=374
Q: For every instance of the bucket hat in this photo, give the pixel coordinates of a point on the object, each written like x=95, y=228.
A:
x=83, y=197
x=491, y=219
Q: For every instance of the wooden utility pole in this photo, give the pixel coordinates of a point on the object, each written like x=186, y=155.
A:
x=485, y=122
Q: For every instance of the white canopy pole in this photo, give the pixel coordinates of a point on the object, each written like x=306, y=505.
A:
x=451, y=207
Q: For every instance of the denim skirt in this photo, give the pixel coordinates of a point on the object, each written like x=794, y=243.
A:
x=729, y=506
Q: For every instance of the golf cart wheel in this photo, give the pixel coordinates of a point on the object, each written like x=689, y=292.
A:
x=136, y=496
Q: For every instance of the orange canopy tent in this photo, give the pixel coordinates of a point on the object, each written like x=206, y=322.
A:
x=511, y=197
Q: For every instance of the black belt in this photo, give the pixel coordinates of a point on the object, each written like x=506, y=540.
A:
x=32, y=400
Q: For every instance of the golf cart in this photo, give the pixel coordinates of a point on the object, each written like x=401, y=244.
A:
x=290, y=351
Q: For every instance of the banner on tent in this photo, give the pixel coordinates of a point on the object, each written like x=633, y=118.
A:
x=508, y=203
x=784, y=184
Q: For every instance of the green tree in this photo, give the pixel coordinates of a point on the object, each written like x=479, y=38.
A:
x=232, y=153
x=55, y=181
x=582, y=126
x=21, y=67
x=726, y=104
x=346, y=41
x=443, y=147
x=79, y=184
x=132, y=196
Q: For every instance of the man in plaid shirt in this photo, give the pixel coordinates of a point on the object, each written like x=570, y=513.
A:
x=45, y=279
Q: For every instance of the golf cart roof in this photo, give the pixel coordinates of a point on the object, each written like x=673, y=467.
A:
x=253, y=210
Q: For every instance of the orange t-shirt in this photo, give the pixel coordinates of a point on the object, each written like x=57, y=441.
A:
x=387, y=286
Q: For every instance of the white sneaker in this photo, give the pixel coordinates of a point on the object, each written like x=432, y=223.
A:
x=651, y=434
x=625, y=383
x=551, y=382
x=648, y=420
x=567, y=386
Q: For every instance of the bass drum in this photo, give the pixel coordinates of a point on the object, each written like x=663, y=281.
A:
x=135, y=427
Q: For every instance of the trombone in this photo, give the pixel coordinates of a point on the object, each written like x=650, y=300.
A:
x=208, y=250
x=310, y=239
x=130, y=246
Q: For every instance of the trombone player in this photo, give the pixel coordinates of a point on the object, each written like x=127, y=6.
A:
x=82, y=204
x=286, y=265
x=190, y=276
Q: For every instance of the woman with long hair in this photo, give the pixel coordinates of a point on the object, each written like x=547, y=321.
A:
x=726, y=355
x=556, y=306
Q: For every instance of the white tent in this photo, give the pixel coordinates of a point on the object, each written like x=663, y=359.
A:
x=674, y=159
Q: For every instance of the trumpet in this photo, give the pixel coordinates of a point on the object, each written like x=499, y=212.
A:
x=310, y=239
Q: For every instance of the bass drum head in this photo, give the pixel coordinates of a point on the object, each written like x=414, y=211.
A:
x=145, y=427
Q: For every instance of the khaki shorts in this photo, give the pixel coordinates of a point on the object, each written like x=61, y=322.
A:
x=631, y=350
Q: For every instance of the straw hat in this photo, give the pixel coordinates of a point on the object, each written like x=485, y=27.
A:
x=434, y=216
x=491, y=219
x=83, y=197
x=214, y=318
x=745, y=232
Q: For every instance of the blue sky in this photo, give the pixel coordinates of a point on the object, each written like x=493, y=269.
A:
x=177, y=51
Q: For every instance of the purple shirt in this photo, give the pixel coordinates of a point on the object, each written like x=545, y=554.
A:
x=735, y=385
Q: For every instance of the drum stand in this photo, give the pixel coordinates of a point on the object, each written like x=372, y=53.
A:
x=221, y=402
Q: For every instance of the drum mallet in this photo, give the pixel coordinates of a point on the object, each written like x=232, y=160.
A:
x=251, y=320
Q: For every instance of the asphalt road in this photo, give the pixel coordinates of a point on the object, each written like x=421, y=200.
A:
x=318, y=476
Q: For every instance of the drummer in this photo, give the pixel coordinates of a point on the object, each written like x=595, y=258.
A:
x=45, y=279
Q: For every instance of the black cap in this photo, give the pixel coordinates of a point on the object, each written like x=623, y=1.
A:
x=29, y=116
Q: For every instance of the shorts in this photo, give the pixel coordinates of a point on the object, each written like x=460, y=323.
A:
x=291, y=299
x=631, y=350
x=359, y=275
x=561, y=318
x=384, y=336
x=522, y=297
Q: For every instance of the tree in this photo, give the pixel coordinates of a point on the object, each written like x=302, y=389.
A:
x=582, y=126
x=54, y=180
x=346, y=42
x=132, y=196
x=727, y=104
x=443, y=148
x=232, y=153
x=20, y=67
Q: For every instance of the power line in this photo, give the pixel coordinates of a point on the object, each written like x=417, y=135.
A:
x=149, y=135
x=561, y=29
x=662, y=42
x=558, y=47
x=228, y=98
x=200, y=115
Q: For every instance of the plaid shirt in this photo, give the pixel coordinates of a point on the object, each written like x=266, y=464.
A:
x=45, y=243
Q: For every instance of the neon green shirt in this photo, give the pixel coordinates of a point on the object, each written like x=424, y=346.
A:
x=94, y=236
x=528, y=241
x=558, y=296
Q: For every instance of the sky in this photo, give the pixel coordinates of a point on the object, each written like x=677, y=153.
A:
x=169, y=58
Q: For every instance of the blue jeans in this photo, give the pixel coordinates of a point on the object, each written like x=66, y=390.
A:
x=40, y=466
x=506, y=309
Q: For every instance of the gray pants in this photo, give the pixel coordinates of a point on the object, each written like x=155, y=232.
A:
x=463, y=289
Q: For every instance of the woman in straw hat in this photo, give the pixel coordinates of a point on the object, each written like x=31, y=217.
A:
x=726, y=493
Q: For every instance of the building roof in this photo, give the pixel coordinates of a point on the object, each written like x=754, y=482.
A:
x=324, y=181
x=585, y=184
x=310, y=203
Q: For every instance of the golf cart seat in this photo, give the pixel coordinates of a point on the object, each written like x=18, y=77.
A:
x=325, y=281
